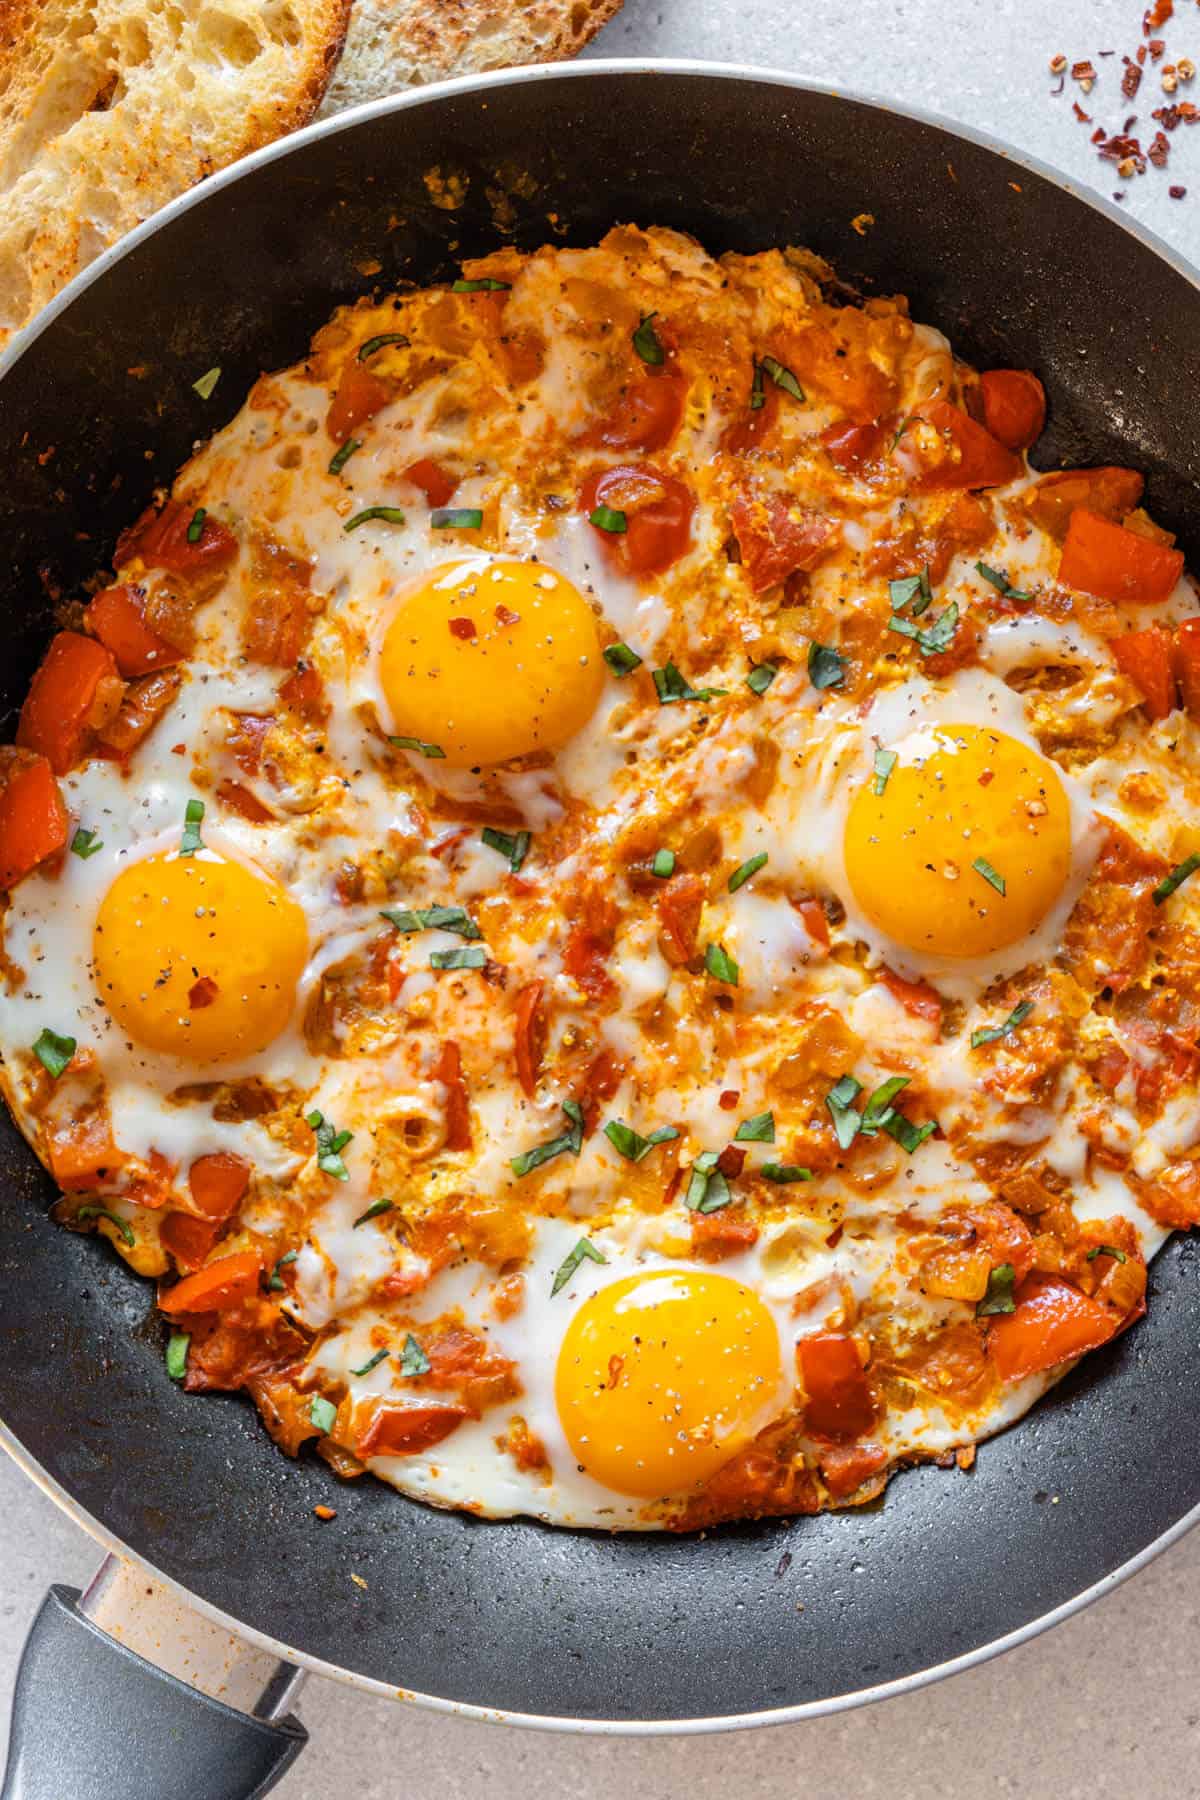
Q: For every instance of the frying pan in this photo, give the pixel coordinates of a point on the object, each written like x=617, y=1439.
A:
x=753, y=1622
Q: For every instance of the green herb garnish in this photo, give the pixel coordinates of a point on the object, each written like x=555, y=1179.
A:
x=757, y=396
x=204, y=387
x=85, y=843
x=176, y=1357
x=473, y=958
x=378, y=343
x=760, y=677
x=195, y=528
x=460, y=518
x=621, y=659
x=878, y=1108
x=391, y=515
x=707, y=1188
x=784, y=1172
x=983, y=867
x=413, y=1360
x=53, y=1052
x=372, y=1362
x=487, y=284
x=783, y=378
x=631, y=1144
x=322, y=1413
x=991, y=1034
x=114, y=1219
x=330, y=1144
x=1107, y=1250
x=913, y=591
x=758, y=1130
x=410, y=743
x=840, y=1101
x=934, y=638
x=826, y=666
x=431, y=918
x=571, y=1140
x=276, y=1283
x=1176, y=878
x=664, y=864
x=340, y=458
x=373, y=1211
x=607, y=518
x=646, y=341
x=721, y=965
x=584, y=1248
x=750, y=867
x=999, y=580
x=999, y=1296
x=514, y=847
x=910, y=1137
x=191, y=841
x=885, y=762
x=671, y=686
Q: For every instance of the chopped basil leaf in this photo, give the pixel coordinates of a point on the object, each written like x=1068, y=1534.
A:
x=750, y=867
x=707, y=1188
x=340, y=458
x=276, y=1282
x=784, y=1172
x=322, y=1414
x=1176, y=878
x=53, y=1052
x=486, y=284
x=878, y=1109
x=195, y=528
x=935, y=637
x=413, y=1360
x=515, y=847
x=631, y=1144
x=191, y=841
x=85, y=843
x=999, y=1296
x=991, y=1034
x=783, y=378
x=607, y=518
x=901, y=428
x=721, y=965
x=177, y=1350
x=840, y=1101
x=372, y=1362
x=571, y=1140
x=1107, y=1250
x=114, y=1219
x=885, y=762
x=432, y=918
x=663, y=864
x=473, y=958
x=407, y=743
x=584, y=1248
x=621, y=659
x=391, y=515
x=330, y=1144
x=758, y=1130
x=373, y=1211
x=646, y=341
x=377, y=343
x=826, y=668
x=671, y=686
x=983, y=867
x=914, y=590
x=204, y=387
x=999, y=580
x=461, y=518
x=760, y=677
x=757, y=396
x=910, y=1137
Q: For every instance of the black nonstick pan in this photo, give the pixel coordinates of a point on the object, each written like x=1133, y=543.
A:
x=749, y=1623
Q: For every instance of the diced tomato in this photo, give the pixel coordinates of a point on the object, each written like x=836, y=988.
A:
x=1053, y=1322
x=844, y=1467
x=747, y=431
x=679, y=906
x=116, y=618
x=217, y=1183
x=1014, y=406
x=850, y=446
x=434, y=482
x=968, y=456
x=143, y=704
x=162, y=541
x=1111, y=492
x=214, y=1288
x=815, y=922
x=645, y=415
x=240, y=800
x=304, y=693
x=1104, y=559
x=403, y=1430
x=360, y=395
x=82, y=1153
x=33, y=818
x=916, y=997
x=187, y=1238
x=1187, y=665
x=717, y=1235
x=777, y=538
x=1146, y=657
x=601, y=1079
x=658, y=516
x=590, y=940
x=276, y=624
x=840, y=1402
x=76, y=689
x=458, y=1106
x=529, y=1031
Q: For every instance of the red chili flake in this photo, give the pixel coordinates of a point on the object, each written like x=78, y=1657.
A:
x=1156, y=15
x=1084, y=118
x=731, y=1161
x=1083, y=71
x=1098, y=135
x=1167, y=116
x=463, y=628
x=1131, y=80
x=202, y=993
x=1156, y=46
x=1177, y=193
x=504, y=616
x=728, y=1099
x=986, y=779
x=325, y=1513
x=616, y=1368
x=1056, y=91
x=1159, y=150
x=178, y=749
x=1141, y=55
x=1189, y=112
x=1129, y=124
x=834, y=1238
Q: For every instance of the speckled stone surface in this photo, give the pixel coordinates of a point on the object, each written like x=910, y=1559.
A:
x=1106, y=1706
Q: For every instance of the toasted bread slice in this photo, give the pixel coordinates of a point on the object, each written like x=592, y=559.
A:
x=110, y=108
x=393, y=44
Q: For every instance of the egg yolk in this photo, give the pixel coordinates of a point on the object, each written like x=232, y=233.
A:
x=967, y=848
x=199, y=956
x=662, y=1377
x=490, y=660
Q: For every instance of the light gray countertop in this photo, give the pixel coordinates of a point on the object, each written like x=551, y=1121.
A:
x=1101, y=1707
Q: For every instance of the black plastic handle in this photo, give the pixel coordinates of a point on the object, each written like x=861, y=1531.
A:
x=95, y=1721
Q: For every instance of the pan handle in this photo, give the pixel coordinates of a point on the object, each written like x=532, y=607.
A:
x=93, y=1719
